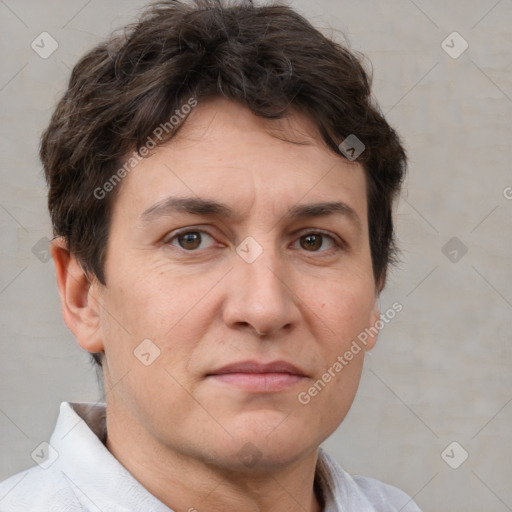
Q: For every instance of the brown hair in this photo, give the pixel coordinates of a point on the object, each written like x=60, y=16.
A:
x=268, y=58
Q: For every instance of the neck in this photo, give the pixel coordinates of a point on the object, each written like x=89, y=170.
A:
x=195, y=484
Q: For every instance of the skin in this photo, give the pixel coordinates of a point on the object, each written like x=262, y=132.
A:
x=177, y=430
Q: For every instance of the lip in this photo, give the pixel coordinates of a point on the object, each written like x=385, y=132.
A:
x=259, y=377
x=251, y=366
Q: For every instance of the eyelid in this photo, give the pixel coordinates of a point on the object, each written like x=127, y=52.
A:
x=329, y=234
x=338, y=242
x=169, y=237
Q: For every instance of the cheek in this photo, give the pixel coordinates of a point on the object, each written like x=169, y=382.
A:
x=343, y=310
x=150, y=304
x=151, y=331
x=162, y=307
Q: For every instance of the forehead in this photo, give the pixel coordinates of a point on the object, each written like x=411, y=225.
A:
x=224, y=152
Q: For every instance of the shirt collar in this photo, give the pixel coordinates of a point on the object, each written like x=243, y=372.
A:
x=97, y=478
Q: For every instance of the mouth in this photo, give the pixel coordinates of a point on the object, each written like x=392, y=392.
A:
x=259, y=377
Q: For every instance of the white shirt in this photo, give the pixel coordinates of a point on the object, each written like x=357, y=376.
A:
x=77, y=473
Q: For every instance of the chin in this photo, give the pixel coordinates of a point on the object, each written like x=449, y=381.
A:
x=264, y=443
x=251, y=458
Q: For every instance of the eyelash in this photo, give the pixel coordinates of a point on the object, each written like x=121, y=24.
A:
x=338, y=244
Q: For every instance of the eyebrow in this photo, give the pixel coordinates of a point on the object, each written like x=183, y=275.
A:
x=324, y=209
x=199, y=206
x=190, y=205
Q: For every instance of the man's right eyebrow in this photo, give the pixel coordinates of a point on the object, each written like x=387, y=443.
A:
x=189, y=205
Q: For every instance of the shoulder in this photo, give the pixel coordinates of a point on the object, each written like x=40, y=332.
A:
x=343, y=491
x=37, y=489
x=385, y=497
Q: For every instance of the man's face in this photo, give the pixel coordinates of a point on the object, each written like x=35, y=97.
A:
x=259, y=280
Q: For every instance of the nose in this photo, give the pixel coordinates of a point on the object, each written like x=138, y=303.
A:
x=260, y=296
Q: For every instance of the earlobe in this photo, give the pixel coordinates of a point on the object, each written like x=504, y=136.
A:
x=80, y=307
x=381, y=282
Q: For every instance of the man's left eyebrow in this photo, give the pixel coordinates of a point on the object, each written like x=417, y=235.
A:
x=190, y=205
x=323, y=209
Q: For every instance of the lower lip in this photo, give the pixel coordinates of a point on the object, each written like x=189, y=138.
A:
x=261, y=382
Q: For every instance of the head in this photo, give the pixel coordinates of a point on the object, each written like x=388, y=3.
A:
x=206, y=212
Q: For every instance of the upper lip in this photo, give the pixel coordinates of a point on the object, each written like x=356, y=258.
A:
x=257, y=367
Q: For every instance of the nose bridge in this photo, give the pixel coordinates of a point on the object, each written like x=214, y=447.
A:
x=260, y=297
x=263, y=276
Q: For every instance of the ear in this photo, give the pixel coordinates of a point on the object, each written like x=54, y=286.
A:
x=381, y=282
x=373, y=331
x=80, y=308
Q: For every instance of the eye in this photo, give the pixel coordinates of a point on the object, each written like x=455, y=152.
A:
x=191, y=240
x=317, y=242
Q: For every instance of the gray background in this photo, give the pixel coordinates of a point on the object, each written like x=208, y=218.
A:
x=441, y=370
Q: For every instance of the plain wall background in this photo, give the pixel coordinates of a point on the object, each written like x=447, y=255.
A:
x=441, y=370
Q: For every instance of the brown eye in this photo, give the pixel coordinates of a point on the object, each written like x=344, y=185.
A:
x=317, y=241
x=190, y=240
x=311, y=242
